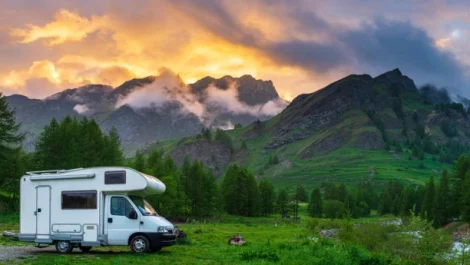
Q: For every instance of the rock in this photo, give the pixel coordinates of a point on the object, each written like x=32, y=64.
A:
x=370, y=141
x=329, y=233
x=397, y=222
x=213, y=154
x=236, y=240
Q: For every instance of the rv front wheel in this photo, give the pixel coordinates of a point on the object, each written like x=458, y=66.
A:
x=63, y=246
x=140, y=244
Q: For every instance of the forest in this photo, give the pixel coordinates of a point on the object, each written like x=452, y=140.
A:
x=193, y=191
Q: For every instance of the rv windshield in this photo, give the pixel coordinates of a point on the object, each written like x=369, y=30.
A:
x=144, y=207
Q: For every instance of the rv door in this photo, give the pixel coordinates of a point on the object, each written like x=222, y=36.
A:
x=43, y=211
x=122, y=220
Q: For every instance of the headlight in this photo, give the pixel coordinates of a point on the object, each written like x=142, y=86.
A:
x=162, y=229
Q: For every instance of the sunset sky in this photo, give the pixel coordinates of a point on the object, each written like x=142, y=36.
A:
x=48, y=46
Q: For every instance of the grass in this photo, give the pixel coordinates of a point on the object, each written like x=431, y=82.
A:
x=269, y=240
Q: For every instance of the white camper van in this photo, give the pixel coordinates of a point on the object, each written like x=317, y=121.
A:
x=88, y=207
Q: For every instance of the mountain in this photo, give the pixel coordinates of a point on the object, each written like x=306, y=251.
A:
x=153, y=108
x=359, y=128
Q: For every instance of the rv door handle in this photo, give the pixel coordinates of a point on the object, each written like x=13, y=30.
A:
x=35, y=213
x=39, y=210
x=110, y=220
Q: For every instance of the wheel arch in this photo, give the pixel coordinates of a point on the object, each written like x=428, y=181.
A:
x=136, y=234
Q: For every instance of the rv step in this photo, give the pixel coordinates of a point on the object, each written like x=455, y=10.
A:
x=41, y=246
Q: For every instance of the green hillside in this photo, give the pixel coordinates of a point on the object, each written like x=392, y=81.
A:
x=357, y=129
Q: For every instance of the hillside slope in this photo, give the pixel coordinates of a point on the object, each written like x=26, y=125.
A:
x=356, y=129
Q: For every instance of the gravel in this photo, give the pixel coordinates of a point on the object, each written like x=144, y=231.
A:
x=15, y=252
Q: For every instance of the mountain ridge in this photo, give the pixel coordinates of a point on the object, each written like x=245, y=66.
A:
x=357, y=128
x=178, y=111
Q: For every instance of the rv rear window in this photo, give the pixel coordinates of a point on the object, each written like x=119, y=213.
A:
x=115, y=177
x=79, y=199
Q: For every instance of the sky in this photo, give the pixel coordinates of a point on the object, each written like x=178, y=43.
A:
x=302, y=45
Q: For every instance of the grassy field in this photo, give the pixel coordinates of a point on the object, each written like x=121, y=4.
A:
x=270, y=240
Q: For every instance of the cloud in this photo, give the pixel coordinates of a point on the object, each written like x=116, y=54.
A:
x=383, y=45
x=301, y=47
x=66, y=26
x=169, y=88
x=81, y=109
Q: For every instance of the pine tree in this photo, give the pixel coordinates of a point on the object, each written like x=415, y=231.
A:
x=406, y=201
x=461, y=167
x=139, y=161
x=301, y=194
x=113, y=152
x=210, y=193
x=184, y=180
x=282, y=202
x=428, y=208
x=10, y=138
x=267, y=194
x=154, y=164
x=315, y=207
x=465, y=199
x=240, y=192
x=443, y=203
x=385, y=203
x=341, y=193
x=196, y=187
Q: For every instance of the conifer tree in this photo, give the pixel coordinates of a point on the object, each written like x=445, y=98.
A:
x=10, y=138
x=267, y=194
x=282, y=202
x=427, y=210
x=315, y=206
x=443, y=201
x=113, y=152
x=465, y=199
x=301, y=193
x=139, y=161
x=240, y=192
x=385, y=203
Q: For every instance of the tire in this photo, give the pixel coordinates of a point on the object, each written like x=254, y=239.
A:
x=155, y=249
x=63, y=246
x=85, y=249
x=140, y=244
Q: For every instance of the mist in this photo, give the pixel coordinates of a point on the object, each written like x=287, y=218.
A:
x=169, y=88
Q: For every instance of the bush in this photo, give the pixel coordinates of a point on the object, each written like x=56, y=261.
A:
x=333, y=209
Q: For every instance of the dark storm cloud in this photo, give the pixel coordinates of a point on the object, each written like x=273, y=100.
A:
x=384, y=45
x=372, y=48
x=310, y=55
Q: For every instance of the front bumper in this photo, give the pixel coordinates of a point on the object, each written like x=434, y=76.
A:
x=161, y=239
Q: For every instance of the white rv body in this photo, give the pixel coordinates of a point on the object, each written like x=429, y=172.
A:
x=91, y=207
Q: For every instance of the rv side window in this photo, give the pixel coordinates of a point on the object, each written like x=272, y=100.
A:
x=120, y=206
x=79, y=200
x=115, y=177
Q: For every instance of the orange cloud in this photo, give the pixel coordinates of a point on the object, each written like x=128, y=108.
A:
x=118, y=46
x=66, y=26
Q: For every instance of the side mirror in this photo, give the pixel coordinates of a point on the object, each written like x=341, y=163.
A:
x=133, y=214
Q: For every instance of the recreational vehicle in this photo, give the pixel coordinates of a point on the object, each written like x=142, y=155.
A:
x=87, y=207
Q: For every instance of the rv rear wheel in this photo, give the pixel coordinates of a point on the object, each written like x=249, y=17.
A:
x=140, y=244
x=85, y=249
x=63, y=246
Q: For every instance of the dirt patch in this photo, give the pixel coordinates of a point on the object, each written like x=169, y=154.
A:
x=19, y=252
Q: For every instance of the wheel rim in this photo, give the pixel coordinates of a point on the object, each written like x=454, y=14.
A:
x=139, y=245
x=63, y=245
